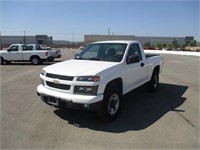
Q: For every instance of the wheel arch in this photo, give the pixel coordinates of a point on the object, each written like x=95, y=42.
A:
x=34, y=56
x=156, y=69
x=2, y=60
x=1, y=57
x=118, y=83
x=110, y=108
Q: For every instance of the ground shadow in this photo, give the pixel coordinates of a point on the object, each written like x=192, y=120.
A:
x=140, y=110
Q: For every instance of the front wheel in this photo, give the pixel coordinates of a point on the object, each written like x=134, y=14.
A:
x=1, y=61
x=111, y=105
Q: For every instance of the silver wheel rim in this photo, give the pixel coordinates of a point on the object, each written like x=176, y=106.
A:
x=113, y=104
x=35, y=60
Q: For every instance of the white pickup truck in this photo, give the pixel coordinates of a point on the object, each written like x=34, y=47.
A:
x=31, y=52
x=96, y=78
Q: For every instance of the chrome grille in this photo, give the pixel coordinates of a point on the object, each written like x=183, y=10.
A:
x=61, y=77
x=58, y=86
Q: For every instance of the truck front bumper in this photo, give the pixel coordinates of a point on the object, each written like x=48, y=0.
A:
x=70, y=101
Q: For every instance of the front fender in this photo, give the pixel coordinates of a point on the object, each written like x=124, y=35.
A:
x=109, y=75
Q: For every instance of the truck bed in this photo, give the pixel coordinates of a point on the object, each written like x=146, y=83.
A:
x=151, y=55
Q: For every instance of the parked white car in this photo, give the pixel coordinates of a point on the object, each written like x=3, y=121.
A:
x=96, y=78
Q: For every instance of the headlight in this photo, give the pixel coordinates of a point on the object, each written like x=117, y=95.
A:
x=43, y=72
x=88, y=78
x=87, y=90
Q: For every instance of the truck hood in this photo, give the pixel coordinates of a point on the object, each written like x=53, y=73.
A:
x=3, y=51
x=79, y=67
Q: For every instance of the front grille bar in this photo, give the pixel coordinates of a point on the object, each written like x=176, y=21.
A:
x=58, y=86
x=61, y=77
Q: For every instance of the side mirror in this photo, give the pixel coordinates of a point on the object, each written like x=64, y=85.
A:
x=75, y=55
x=133, y=59
x=8, y=50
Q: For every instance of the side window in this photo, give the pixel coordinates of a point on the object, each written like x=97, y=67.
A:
x=134, y=51
x=38, y=47
x=13, y=48
x=29, y=47
x=25, y=48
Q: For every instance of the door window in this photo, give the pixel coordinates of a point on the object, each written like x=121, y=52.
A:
x=13, y=48
x=134, y=50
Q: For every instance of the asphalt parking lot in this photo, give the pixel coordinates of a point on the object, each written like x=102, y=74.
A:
x=166, y=119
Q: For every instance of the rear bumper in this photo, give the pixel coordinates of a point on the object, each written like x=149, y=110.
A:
x=59, y=56
x=52, y=57
x=70, y=101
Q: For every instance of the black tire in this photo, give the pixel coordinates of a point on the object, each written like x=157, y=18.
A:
x=1, y=61
x=35, y=60
x=154, y=82
x=111, y=104
x=7, y=62
x=50, y=59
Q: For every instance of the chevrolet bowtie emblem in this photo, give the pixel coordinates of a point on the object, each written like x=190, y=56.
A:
x=56, y=81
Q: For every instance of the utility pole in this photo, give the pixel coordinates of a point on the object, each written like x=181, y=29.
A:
x=73, y=42
x=0, y=41
x=109, y=31
x=24, y=37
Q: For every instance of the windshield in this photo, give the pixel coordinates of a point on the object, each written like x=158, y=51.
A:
x=103, y=52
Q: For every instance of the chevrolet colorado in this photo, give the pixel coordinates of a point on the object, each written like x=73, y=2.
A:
x=98, y=76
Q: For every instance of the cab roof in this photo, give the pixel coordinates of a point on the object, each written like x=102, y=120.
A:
x=117, y=41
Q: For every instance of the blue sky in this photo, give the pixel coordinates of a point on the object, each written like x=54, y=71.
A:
x=70, y=20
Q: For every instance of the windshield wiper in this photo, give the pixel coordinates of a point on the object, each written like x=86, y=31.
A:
x=95, y=58
x=78, y=58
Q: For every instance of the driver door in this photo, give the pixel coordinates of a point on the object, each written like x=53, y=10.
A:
x=135, y=71
x=14, y=53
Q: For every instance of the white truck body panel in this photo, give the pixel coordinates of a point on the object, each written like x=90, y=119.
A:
x=21, y=52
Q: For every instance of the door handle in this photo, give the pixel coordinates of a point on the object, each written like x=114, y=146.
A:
x=142, y=64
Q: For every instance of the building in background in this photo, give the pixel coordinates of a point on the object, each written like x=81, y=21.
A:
x=94, y=38
x=154, y=40
x=37, y=39
x=5, y=41
x=143, y=39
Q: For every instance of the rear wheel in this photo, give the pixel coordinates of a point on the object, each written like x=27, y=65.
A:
x=35, y=60
x=153, y=83
x=111, y=104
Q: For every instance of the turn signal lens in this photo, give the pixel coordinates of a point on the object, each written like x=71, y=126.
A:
x=88, y=78
x=87, y=90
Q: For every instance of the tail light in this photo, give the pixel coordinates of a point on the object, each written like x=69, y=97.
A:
x=46, y=54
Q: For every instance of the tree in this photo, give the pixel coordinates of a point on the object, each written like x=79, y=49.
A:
x=183, y=45
x=147, y=44
x=164, y=45
x=193, y=43
x=158, y=45
x=169, y=46
x=174, y=44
